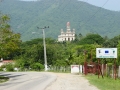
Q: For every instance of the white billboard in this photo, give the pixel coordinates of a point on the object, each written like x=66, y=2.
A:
x=106, y=52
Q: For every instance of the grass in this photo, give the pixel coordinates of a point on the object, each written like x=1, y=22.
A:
x=3, y=79
x=105, y=83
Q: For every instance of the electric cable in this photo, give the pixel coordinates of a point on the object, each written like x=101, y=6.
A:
x=96, y=12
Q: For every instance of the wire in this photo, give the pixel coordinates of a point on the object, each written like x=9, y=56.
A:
x=68, y=4
x=96, y=12
x=78, y=9
x=62, y=3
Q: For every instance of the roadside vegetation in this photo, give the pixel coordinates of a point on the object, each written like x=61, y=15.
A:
x=29, y=55
x=105, y=83
x=3, y=79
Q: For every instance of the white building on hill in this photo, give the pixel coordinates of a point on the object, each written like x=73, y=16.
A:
x=68, y=35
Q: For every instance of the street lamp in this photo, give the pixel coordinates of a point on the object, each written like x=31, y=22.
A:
x=45, y=57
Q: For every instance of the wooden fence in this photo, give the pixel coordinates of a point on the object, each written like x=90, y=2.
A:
x=106, y=70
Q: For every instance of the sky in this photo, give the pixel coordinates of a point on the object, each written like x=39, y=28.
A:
x=109, y=4
x=28, y=0
x=113, y=5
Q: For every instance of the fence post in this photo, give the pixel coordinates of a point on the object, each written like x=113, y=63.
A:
x=112, y=71
x=102, y=69
x=106, y=69
x=81, y=69
x=119, y=72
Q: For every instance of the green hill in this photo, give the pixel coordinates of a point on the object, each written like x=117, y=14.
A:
x=83, y=17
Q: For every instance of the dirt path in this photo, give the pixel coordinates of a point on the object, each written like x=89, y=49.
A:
x=70, y=82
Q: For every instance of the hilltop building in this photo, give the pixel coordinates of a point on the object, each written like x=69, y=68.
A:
x=68, y=35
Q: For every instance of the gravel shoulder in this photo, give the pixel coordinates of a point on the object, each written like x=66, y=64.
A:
x=67, y=81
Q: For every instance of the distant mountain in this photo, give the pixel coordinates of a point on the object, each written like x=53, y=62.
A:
x=83, y=17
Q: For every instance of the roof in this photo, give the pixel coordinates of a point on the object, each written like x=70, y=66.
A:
x=7, y=61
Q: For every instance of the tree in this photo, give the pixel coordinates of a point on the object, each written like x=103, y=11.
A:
x=9, y=41
x=82, y=53
x=112, y=42
x=91, y=39
x=118, y=46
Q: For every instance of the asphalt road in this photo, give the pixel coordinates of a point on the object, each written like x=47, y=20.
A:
x=27, y=80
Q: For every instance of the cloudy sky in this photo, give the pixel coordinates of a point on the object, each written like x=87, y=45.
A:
x=109, y=4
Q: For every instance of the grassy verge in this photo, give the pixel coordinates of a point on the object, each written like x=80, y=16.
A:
x=3, y=79
x=104, y=83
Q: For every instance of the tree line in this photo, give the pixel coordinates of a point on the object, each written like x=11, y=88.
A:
x=30, y=54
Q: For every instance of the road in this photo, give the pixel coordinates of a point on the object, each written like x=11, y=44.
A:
x=27, y=80
x=68, y=81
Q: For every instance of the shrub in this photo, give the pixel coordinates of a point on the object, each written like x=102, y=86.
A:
x=9, y=67
x=1, y=69
x=37, y=66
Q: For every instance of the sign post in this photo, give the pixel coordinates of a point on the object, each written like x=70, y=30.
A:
x=107, y=53
x=115, y=68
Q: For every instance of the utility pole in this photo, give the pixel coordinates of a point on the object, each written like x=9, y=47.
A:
x=45, y=57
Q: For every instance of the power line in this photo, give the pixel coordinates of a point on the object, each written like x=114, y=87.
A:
x=79, y=7
x=96, y=12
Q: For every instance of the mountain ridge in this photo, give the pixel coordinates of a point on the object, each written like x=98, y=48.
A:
x=85, y=18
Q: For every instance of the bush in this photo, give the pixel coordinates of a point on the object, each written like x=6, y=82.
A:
x=1, y=69
x=9, y=67
x=37, y=66
x=3, y=79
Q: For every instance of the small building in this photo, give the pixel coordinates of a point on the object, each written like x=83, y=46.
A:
x=4, y=62
x=68, y=35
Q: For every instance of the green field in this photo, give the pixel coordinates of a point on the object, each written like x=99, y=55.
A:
x=105, y=83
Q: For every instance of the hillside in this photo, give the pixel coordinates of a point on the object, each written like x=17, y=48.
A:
x=85, y=18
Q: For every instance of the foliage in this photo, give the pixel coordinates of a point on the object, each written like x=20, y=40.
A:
x=22, y=63
x=118, y=49
x=30, y=54
x=109, y=83
x=92, y=39
x=1, y=69
x=9, y=41
x=61, y=53
x=84, y=53
x=60, y=63
x=85, y=18
x=112, y=42
x=9, y=67
x=3, y=79
x=37, y=66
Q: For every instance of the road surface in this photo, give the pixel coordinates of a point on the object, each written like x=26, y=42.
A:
x=68, y=81
x=27, y=80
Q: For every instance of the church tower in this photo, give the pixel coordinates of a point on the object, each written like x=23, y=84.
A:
x=68, y=35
